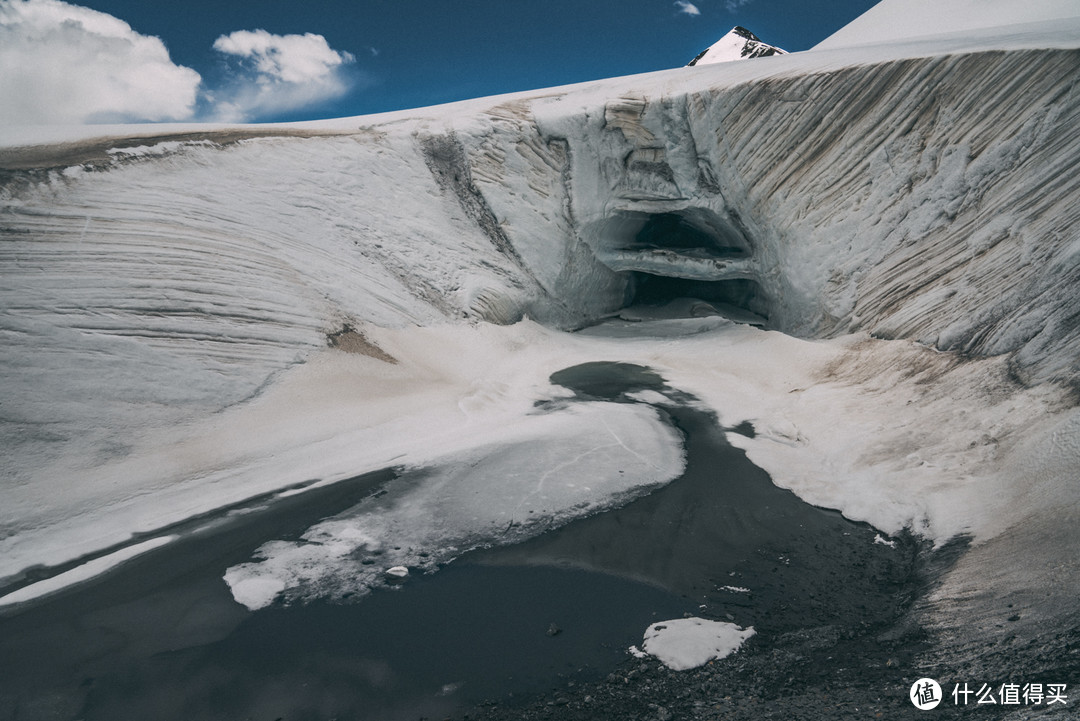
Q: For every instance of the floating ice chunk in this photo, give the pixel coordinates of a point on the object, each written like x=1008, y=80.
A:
x=687, y=643
x=253, y=591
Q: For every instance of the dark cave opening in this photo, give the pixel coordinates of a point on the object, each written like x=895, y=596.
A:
x=699, y=257
x=676, y=231
x=648, y=289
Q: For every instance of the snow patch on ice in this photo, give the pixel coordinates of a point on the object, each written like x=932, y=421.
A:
x=686, y=643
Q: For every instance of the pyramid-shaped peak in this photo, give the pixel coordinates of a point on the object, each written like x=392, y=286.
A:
x=738, y=44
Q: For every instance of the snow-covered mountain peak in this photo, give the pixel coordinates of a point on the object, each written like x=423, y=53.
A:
x=738, y=44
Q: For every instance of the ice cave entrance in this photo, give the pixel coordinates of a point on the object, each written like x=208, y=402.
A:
x=690, y=262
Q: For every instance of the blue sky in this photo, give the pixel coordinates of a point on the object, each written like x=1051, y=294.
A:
x=393, y=54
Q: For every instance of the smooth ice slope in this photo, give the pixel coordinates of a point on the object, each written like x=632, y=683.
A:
x=892, y=20
x=169, y=295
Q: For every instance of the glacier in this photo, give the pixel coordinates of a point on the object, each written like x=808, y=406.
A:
x=193, y=316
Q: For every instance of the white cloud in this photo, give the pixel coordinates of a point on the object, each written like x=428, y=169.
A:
x=62, y=63
x=733, y=5
x=279, y=73
x=687, y=7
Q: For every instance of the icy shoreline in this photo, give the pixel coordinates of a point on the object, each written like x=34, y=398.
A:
x=704, y=356
x=487, y=638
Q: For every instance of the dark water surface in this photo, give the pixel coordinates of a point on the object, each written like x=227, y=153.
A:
x=723, y=525
x=455, y=637
x=161, y=637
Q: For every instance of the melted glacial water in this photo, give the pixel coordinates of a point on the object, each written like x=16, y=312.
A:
x=161, y=637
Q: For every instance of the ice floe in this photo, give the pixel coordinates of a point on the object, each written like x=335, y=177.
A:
x=686, y=643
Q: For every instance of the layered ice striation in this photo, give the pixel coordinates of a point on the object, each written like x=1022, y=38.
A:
x=157, y=282
x=926, y=198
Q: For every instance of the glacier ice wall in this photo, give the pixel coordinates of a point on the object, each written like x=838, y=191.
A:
x=928, y=198
x=149, y=280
